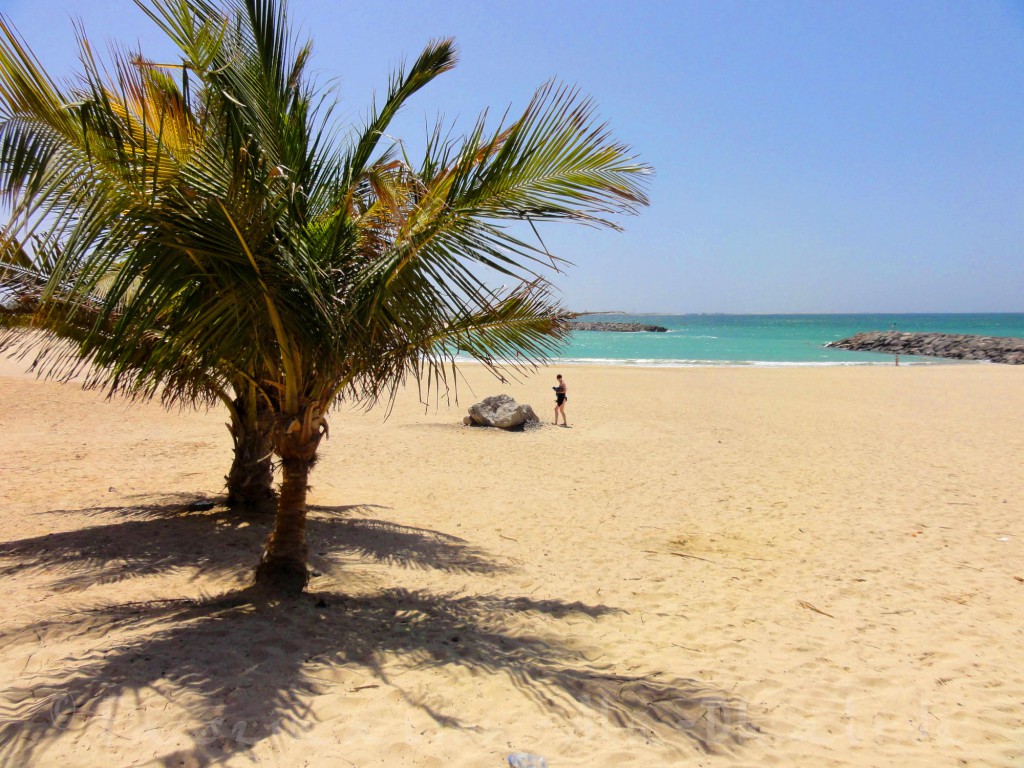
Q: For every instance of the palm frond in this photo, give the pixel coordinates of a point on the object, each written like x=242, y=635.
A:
x=206, y=229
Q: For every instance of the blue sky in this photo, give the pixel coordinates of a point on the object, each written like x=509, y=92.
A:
x=810, y=156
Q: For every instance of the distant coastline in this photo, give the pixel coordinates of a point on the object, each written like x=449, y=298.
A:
x=575, y=314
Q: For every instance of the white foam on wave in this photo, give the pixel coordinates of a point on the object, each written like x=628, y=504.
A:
x=654, y=363
x=684, y=363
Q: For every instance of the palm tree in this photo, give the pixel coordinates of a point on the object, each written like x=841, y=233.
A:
x=277, y=257
x=39, y=139
x=59, y=337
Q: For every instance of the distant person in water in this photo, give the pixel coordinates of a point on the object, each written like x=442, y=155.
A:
x=560, y=397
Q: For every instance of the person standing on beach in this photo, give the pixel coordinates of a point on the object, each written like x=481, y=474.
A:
x=560, y=397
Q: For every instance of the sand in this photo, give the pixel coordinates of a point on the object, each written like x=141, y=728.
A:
x=712, y=567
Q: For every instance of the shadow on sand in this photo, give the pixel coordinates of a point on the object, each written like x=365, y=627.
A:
x=156, y=539
x=238, y=658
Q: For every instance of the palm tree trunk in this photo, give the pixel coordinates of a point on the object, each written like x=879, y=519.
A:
x=283, y=567
x=251, y=478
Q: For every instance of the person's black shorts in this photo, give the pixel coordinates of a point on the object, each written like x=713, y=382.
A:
x=560, y=397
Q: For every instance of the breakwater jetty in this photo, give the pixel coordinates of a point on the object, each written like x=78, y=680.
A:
x=580, y=325
x=996, y=349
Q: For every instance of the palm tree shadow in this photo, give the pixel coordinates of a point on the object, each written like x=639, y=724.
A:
x=136, y=541
x=335, y=530
x=245, y=667
x=211, y=654
x=156, y=539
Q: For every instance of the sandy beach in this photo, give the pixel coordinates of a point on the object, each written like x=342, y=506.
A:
x=710, y=567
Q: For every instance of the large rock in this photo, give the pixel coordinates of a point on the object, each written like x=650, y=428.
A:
x=501, y=411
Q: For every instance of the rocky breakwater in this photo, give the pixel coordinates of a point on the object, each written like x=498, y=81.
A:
x=997, y=349
x=579, y=325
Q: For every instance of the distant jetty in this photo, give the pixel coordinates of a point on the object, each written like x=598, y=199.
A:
x=996, y=349
x=579, y=325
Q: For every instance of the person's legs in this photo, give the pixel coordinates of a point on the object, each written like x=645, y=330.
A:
x=561, y=409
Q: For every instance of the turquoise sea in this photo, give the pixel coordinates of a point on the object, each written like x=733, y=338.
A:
x=766, y=340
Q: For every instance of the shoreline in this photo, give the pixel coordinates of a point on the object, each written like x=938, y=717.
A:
x=905, y=361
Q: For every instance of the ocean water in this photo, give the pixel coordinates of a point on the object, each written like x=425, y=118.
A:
x=766, y=340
